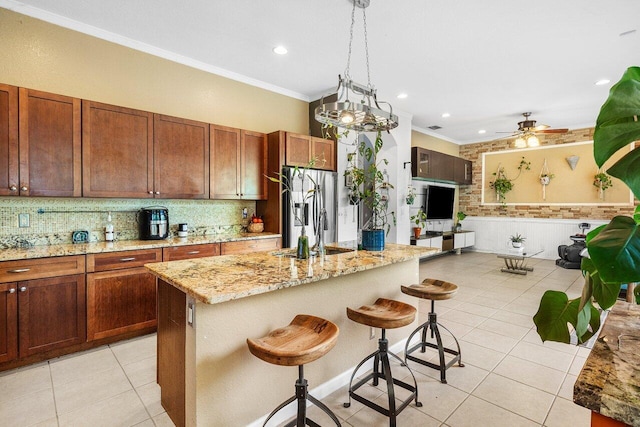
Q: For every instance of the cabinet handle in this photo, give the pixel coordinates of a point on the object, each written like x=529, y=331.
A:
x=128, y=259
x=157, y=192
x=23, y=288
x=23, y=188
x=193, y=252
x=13, y=188
x=12, y=290
x=150, y=192
x=19, y=270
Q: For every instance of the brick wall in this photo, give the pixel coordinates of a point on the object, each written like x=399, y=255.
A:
x=470, y=196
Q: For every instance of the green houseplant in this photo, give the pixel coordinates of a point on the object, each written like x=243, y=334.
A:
x=460, y=216
x=614, y=248
x=370, y=187
x=502, y=184
x=602, y=181
x=517, y=240
x=420, y=220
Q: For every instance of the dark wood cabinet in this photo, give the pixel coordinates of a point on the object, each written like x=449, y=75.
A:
x=8, y=321
x=42, y=305
x=238, y=164
x=50, y=145
x=180, y=158
x=438, y=166
x=121, y=293
x=117, y=151
x=174, y=253
x=9, y=140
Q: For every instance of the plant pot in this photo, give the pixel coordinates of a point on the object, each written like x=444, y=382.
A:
x=545, y=180
x=416, y=232
x=373, y=240
x=516, y=244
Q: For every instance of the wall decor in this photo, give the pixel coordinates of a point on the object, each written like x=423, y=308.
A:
x=573, y=161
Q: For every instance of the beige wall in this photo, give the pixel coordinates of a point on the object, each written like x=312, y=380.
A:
x=470, y=196
x=43, y=56
x=419, y=139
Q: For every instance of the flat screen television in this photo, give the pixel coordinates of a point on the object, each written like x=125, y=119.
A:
x=439, y=202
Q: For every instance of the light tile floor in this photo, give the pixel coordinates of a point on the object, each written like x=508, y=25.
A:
x=510, y=377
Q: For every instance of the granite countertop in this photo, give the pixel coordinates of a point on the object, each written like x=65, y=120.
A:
x=214, y=280
x=609, y=383
x=45, y=251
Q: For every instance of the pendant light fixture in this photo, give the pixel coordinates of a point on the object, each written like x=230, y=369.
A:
x=357, y=107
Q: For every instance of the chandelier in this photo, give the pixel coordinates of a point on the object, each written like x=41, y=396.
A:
x=357, y=106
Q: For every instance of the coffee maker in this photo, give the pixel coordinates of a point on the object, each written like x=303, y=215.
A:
x=153, y=223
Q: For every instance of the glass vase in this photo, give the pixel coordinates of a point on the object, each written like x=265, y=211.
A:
x=303, y=247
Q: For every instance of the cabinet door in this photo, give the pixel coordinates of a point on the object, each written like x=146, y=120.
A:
x=225, y=162
x=8, y=140
x=51, y=313
x=50, y=145
x=174, y=253
x=117, y=151
x=8, y=322
x=297, y=150
x=324, y=153
x=441, y=166
x=420, y=162
x=462, y=171
x=181, y=158
x=120, y=301
x=253, y=160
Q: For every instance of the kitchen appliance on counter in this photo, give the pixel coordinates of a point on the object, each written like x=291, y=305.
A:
x=324, y=197
x=153, y=223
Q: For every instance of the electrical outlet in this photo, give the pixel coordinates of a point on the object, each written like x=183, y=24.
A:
x=23, y=220
x=245, y=213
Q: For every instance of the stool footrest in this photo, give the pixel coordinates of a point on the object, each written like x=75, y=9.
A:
x=378, y=408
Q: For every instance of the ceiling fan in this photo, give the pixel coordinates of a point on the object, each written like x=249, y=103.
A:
x=527, y=131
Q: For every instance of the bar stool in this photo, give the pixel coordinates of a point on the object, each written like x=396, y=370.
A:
x=433, y=290
x=305, y=339
x=384, y=314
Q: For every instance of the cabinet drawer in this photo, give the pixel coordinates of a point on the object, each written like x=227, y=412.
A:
x=124, y=259
x=244, y=246
x=192, y=251
x=27, y=269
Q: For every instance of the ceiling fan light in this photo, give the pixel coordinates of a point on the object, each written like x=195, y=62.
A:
x=520, y=142
x=533, y=141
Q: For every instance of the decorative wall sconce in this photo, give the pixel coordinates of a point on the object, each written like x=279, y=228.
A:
x=573, y=161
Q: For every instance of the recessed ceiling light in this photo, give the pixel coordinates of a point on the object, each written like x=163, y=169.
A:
x=280, y=50
x=481, y=131
x=445, y=115
x=602, y=82
x=402, y=95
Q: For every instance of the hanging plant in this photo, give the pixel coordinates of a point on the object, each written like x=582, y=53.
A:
x=545, y=178
x=502, y=184
x=602, y=181
x=411, y=195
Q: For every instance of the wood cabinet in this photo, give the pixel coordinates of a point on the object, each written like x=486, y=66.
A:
x=50, y=145
x=117, y=151
x=246, y=246
x=8, y=140
x=42, y=306
x=238, y=164
x=180, y=158
x=438, y=166
x=301, y=149
x=121, y=294
x=175, y=253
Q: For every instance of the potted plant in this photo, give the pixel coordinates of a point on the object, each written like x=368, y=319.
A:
x=420, y=220
x=411, y=195
x=369, y=186
x=602, y=181
x=460, y=216
x=502, y=184
x=613, y=252
x=517, y=240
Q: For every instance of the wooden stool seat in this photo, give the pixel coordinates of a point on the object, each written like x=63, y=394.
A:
x=384, y=314
x=304, y=340
x=432, y=289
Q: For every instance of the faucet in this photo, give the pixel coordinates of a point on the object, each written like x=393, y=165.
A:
x=322, y=224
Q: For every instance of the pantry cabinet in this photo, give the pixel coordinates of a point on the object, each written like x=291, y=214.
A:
x=300, y=150
x=238, y=164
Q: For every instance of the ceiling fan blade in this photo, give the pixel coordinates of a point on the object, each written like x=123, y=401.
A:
x=541, y=127
x=553, y=131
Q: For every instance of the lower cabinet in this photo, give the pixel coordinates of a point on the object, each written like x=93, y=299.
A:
x=121, y=293
x=464, y=239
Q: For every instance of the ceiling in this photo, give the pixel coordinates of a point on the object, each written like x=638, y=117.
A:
x=483, y=62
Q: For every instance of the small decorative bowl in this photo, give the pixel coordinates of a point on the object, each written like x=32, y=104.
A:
x=255, y=227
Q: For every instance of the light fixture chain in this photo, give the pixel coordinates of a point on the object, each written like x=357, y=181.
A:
x=366, y=44
x=347, y=75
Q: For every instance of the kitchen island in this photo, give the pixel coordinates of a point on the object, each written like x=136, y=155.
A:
x=208, y=307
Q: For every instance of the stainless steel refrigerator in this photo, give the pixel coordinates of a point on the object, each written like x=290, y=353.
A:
x=307, y=206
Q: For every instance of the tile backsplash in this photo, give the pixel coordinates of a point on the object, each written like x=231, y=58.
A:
x=53, y=220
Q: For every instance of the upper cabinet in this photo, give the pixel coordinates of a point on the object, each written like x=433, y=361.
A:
x=438, y=166
x=238, y=164
x=301, y=149
x=8, y=140
x=117, y=151
x=50, y=145
x=180, y=158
